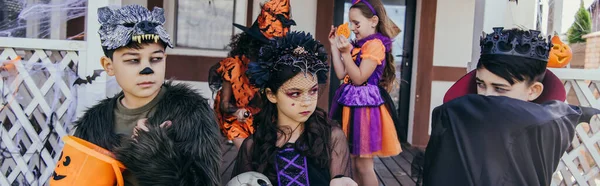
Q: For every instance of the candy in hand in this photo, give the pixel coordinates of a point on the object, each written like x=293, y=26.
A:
x=344, y=30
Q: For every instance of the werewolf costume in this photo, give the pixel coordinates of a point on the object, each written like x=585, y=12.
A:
x=496, y=140
x=186, y=153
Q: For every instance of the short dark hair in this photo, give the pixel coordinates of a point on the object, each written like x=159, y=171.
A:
x=514, y=68
x=132, y=45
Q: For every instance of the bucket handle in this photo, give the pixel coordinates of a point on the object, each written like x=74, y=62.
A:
x=118, y=174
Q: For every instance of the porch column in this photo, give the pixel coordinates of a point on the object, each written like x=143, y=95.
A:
x=555, y=16
x=488, y=14
x=88, y=95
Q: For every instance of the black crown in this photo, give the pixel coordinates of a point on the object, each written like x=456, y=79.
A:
x=528, y=44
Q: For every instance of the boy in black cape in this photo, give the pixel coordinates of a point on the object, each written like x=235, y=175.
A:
x=506, y=122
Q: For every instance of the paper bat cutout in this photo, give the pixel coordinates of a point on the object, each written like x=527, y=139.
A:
x=88, y=79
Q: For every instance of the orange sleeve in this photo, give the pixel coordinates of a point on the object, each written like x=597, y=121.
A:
x=231, y=68
x=373, y=49
x=234, y=70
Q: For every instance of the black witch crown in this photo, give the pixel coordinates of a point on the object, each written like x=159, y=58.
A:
x=528, y=44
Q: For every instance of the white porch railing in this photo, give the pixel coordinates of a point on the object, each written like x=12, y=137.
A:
x=38, y=104
x=580, y=164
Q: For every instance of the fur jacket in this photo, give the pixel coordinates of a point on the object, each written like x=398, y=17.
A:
x=186, y=153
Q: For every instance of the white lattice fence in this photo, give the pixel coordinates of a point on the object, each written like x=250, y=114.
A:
x=580, y=164
x=38, y=105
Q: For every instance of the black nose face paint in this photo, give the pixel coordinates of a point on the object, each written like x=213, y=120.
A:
x=147, y=70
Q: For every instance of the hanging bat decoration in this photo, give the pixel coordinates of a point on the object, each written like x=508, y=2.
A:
x=88, y=79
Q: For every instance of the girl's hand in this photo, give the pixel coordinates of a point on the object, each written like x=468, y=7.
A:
x=242, y=114
x=343, y=45
x=332, y=37
x=343, y=181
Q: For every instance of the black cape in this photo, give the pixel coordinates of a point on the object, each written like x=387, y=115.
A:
x=489, y=140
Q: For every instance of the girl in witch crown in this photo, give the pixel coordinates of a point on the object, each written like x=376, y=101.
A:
x=294, y=143
x=361, y=103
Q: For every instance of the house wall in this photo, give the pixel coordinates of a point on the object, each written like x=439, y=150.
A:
x=453, y=45
x=444, y=44
x=592, y=50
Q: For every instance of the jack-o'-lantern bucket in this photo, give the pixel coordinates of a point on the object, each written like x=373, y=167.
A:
x=84, y=163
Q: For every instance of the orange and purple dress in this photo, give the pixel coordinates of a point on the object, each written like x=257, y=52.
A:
x=366, y=111
x=244, y=95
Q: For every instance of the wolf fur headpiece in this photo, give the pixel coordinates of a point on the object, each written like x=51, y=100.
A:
x=131, y=23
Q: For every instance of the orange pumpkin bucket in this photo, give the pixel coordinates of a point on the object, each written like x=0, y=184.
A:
x=84, y=163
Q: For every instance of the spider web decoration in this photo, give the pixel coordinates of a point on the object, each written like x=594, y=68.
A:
x=16, y=16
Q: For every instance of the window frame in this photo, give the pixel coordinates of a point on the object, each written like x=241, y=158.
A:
x=170, y=7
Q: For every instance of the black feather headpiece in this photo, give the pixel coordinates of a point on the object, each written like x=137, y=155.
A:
x=297, y=50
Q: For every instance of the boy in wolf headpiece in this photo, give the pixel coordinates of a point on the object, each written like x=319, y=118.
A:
x=185, y=149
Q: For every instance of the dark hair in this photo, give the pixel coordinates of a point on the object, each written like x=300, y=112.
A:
x=514, y=68
x=131, y=45
x=387, y=28
x=314, y=141
x=245, y=44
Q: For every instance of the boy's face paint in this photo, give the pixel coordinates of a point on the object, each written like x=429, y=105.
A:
x=302, y=93
x=128, y=64
x=146, y=71
x=489, y=84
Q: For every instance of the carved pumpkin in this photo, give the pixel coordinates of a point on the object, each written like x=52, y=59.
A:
x=343, y=30
x=560, y=55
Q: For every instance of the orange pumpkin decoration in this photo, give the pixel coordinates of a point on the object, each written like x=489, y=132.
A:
x=343, y=30
x=560, y=55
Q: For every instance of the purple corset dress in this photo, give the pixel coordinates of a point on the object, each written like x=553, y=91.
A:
x=291, y=167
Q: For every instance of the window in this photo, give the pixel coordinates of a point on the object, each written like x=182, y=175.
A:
x=204, y=24
x=203, y=27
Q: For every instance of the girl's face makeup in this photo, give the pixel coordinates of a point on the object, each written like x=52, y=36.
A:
x=296, y=99
x=361, y=25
